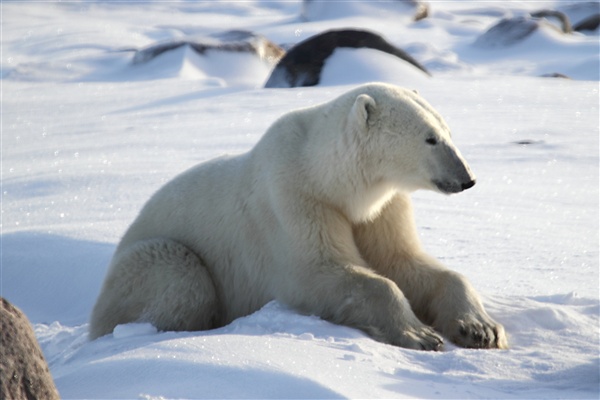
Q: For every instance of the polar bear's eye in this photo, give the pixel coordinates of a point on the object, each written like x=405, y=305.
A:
x=431, y=141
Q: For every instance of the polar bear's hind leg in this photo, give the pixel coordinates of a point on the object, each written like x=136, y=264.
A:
x=159, y=281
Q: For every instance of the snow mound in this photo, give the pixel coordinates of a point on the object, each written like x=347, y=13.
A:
x=355, y=66
x=318, y=10
x=221, y=68
x=269, y=354
x=303, y=63
x=534, y=45
x=508, y=32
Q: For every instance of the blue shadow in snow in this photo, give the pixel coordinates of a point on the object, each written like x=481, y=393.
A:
x=52, y=278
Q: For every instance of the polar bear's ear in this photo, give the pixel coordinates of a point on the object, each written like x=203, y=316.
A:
x=363, y=107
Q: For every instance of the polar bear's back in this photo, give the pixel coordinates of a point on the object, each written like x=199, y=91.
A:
x=176, y=209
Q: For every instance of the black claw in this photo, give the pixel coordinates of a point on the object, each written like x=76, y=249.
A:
x=439, y=345
x=477, y=337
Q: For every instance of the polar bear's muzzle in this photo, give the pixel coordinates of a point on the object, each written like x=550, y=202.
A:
x=469, y=184
x=453, y=187
x=452, y=173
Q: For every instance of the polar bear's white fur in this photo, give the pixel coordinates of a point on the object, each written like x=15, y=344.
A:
x=317, y=216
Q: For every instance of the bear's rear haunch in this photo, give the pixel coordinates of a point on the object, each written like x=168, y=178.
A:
x=316, y=216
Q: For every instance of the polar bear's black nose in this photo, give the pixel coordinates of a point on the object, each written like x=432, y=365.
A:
x=468, y=185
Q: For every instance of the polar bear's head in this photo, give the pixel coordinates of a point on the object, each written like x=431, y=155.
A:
x=405, y=141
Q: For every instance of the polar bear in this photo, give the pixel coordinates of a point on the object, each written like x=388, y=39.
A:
x=316, y=216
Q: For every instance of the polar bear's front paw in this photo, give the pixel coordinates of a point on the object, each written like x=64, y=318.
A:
x=422, y=338
x=478, y=333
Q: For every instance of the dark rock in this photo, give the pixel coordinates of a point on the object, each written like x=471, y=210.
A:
x=302, y=64
x=527, y=142
x=232, y=41
x=24, y=373
x=513, y=30
x=590, y=23
x=561, y=17
x=510, y=31
x=584, y=16
x=555, y=75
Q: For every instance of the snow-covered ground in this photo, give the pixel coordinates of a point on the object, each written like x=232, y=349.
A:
x=87, y=137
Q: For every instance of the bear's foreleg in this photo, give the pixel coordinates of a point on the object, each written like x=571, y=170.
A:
x=158, y=281
x=323, y=274
x=447, y=301
x=439, y=297
x=355, y=297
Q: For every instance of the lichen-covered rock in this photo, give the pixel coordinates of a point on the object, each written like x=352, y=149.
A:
x=24, y=373
x=238, y=41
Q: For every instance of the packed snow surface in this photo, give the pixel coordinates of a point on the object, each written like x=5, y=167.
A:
x=87, y=137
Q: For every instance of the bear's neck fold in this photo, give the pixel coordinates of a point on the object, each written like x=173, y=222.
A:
x=368, y=206
x=341, y=178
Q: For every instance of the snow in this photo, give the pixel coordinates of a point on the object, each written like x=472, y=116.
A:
x=87, y=137
x=368, y=64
